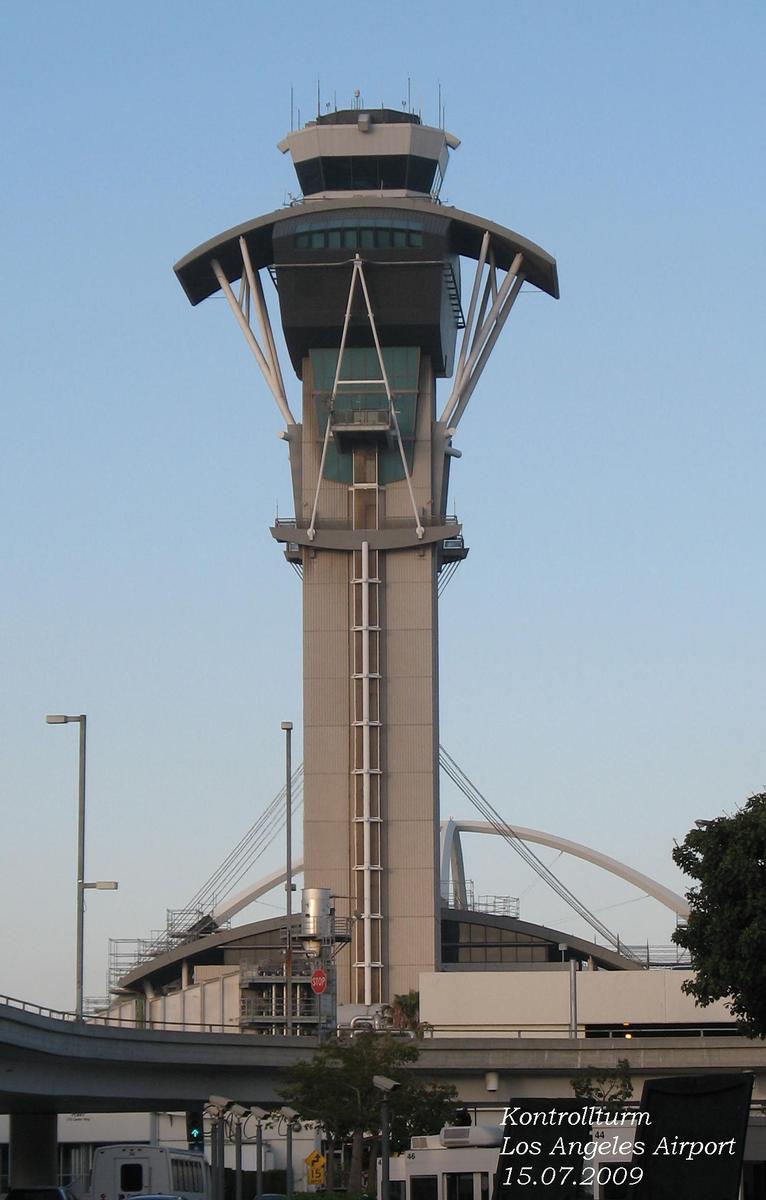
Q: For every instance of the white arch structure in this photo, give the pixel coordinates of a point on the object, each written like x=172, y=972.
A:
x=452, y=860
x=451, y=867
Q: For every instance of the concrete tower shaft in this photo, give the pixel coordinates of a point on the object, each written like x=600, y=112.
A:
x=367, y=270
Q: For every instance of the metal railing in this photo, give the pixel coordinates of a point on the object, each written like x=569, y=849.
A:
x=38, y=1010
x=560, y=1029
x=427, y=520
x=498, y=906
x=379, y=417
x=659, y=956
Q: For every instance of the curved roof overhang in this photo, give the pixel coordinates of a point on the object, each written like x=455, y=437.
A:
x=196, y=277
x=167, y=964
x=602, y=956
x=166, y=967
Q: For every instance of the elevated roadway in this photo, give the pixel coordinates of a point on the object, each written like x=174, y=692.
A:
x=53, y=1066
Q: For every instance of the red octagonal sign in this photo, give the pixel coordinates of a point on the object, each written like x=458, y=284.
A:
x=319, y=981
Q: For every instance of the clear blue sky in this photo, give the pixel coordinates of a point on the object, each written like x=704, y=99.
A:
x=602, y=661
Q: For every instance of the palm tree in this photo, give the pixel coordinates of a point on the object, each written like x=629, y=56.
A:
x=404, y=1013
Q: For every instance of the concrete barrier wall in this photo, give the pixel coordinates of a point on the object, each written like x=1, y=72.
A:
x=536, y=1003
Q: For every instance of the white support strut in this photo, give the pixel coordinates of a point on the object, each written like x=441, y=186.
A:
x=358, y=273
x=418, y=526
x=482, y=331
x=252, y=341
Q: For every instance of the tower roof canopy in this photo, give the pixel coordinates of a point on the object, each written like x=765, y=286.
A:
x=196, y=276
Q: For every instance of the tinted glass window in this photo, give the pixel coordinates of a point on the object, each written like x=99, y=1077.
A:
x=420, y=174
x=365, y=173
x=337, y=174
x=131, y=1177
x=459, y=1186
x=424, y=1187
x=310, y=175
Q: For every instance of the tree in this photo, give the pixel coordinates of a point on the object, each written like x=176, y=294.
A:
x=335, y=1089
x=726, y=930
x=610, y=1088
x=404, y=1011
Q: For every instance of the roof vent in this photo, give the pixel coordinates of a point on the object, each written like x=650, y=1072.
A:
x=471, y=1135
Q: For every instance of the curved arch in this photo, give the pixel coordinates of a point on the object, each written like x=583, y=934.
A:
x=229, y=908
x=451, y=830
x=451, y=866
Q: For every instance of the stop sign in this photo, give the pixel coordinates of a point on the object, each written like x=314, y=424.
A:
x=319, y=981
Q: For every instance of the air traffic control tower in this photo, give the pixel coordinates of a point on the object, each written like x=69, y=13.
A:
x=367, y=269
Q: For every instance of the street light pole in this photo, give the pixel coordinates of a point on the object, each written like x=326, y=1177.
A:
x=82, y=722
x=108, y=885
x=290, y=1116
x=385, y=1086
x=81, y=872
x=288, y=728
x=259, y=1114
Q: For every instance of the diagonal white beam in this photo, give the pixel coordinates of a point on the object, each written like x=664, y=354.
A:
x=418, y=527
x=255, y=288
x=470, y=384
x=486, y=328
x=252, y=341
x=468, y=327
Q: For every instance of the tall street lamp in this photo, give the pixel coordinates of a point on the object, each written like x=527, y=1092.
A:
x=291, y=1122
x=259, y=1114
x=102, y=884
x=385, y=1086
x=287, y=726
x=217, y=1107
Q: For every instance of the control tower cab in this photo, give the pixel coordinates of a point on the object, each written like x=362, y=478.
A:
x=367, y=274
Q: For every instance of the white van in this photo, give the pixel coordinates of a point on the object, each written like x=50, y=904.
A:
x=125, y=1172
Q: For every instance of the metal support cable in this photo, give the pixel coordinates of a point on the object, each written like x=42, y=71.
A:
x=490, y=814
x=253, y=843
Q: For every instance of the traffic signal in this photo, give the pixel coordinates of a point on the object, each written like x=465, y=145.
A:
x=195, y=1130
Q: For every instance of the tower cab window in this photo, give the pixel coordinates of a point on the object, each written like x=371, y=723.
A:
x=359, y=239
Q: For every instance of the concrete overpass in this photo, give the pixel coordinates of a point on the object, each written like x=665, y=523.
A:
x=50, y=1066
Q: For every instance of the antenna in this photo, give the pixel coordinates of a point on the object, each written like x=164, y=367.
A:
x=409, y=105
x=319, y=101
x=440, y=106
x=292, y=111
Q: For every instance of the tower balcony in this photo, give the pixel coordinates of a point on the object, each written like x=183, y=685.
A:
x=335, y=533
x=355, y=426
